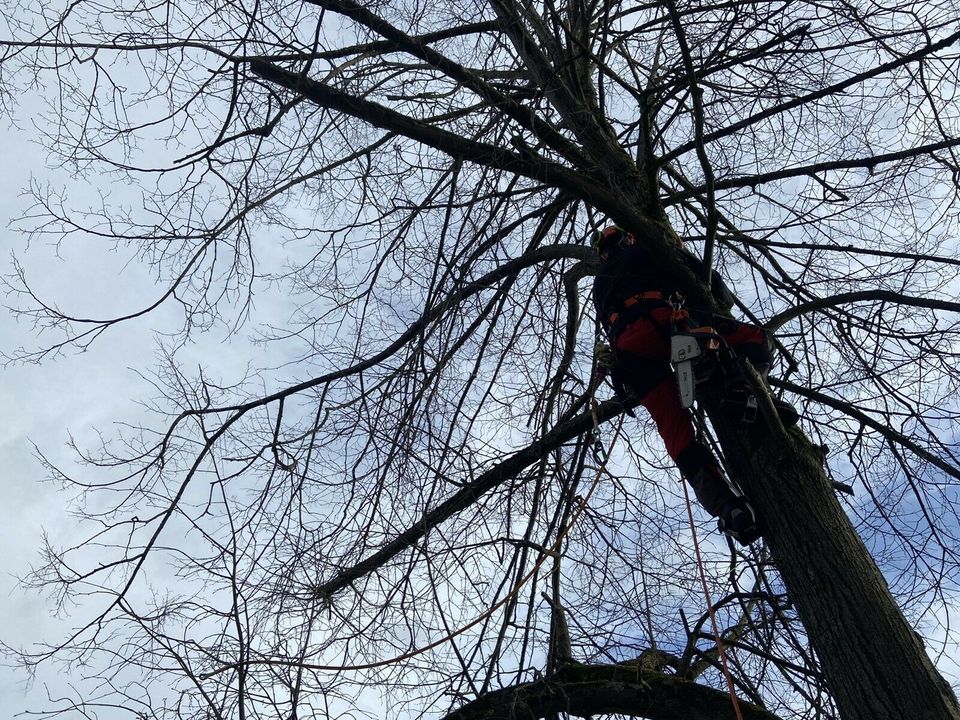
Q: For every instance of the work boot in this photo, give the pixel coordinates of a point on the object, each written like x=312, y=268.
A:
x=742, y=404
x=787, y=412
x=739, y=521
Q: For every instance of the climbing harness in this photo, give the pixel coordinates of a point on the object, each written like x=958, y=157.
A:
x=633, y=307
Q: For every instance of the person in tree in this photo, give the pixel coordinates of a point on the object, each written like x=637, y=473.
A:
x=633, y=305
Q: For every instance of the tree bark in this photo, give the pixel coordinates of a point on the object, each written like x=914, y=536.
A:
x=874, y=663
x=591, y=690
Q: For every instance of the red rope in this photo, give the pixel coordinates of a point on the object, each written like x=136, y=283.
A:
x=713, y=619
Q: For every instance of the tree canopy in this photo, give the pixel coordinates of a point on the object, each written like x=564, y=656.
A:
x=422, y=494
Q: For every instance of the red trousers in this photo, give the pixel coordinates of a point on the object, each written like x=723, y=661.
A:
x=643, y=350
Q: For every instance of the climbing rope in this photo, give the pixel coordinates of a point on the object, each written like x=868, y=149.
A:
x=713, y=619
x=702, y=436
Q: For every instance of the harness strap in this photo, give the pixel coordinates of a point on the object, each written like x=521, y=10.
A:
x=633, y=308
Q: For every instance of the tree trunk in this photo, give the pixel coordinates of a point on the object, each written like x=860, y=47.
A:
x=874, y=663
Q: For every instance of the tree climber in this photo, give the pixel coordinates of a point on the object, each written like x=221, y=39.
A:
x=633, y=304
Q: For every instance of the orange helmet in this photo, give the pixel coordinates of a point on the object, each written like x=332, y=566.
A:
x=608, y=237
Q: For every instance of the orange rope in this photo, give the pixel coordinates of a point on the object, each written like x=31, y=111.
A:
x=713, y=619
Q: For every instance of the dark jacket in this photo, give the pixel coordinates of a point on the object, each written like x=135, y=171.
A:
x=625, y=273
x=628, y=271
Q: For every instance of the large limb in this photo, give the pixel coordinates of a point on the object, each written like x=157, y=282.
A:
x=866, y=420
x=777, y=321
x=452, y=144
x=560, y=434
x=869, y=163
x=592, y=690
x=659, y=240
x=523, y=116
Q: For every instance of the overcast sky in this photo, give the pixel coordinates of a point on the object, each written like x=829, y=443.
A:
x=42, y=404
x=67, y=396
x=71, y=395
x=76, y=394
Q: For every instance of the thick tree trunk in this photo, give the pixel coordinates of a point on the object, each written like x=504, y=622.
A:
x=874, y=663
